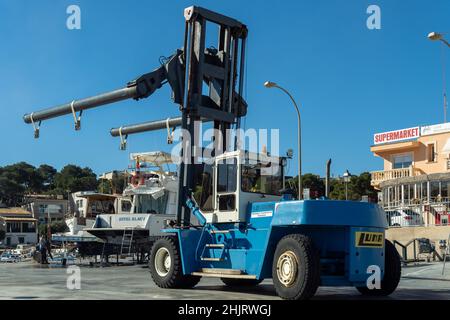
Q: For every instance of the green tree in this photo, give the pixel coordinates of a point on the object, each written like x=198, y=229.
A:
x=24, y=174
x=362, y=186
x=315, y=184
x=311, y=181
x=337, y=189
x=55, y=227
x=48, y=176
x=357, y=187
x=118, y=182
x=11, y=192
x=73, y=178
x=104, y=186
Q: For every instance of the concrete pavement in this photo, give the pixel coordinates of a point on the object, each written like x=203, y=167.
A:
x=27, y=280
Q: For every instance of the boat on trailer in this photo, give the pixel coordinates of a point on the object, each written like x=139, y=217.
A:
x=152, y=190
x=85, y=207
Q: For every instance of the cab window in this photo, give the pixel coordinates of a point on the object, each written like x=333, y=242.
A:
x=227, y=175
x=262, y=177
x=203, y=192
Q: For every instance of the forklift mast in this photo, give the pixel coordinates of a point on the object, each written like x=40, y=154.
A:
x=217, y=68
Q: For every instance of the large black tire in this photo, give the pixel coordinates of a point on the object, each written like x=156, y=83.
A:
x=165, y=265
x=241, y=282
x=296, y=268
x=392, y=273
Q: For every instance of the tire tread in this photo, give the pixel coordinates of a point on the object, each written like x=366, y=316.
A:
x=175, y=279
x=312, y=267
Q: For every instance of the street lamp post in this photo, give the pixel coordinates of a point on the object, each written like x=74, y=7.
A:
x=347, y=177
x=269, y=84
x=435, y=36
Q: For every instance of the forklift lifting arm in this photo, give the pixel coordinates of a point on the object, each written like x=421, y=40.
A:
x=144, y=86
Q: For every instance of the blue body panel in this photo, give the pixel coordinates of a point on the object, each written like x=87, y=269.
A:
x=332, y=225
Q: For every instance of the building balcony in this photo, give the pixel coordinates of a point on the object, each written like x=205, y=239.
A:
x=384, y=175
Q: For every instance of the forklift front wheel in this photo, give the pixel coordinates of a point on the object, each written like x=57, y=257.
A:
x=296, y=268
x=165, y=265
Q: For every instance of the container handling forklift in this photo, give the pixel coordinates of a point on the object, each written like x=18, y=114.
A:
x=242, y=235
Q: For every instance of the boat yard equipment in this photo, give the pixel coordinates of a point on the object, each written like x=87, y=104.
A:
x=245, y=231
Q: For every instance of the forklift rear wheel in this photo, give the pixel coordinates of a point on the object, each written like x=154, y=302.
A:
x=241, y=282
x=165, y=265
x=392, y=273
x=296, y=268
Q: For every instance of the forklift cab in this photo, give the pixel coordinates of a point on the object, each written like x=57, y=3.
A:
x=227, y=184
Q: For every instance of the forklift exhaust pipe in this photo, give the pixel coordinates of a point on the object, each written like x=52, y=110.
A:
x=327, y=179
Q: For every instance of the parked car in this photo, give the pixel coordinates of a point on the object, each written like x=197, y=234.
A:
x=23, y=250
x=403, y=218
x=10, y=257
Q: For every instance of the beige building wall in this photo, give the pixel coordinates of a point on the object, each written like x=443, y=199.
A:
x=419, y=152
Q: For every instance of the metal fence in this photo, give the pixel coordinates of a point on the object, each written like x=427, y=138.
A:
x=420, y=213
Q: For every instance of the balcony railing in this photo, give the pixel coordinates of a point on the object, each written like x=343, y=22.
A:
x=384, y=175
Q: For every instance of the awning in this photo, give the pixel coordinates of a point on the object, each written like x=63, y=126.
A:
x=97, y=196
x=155, y=192
x=158, y=158
x=11, y=219
x=378, y=149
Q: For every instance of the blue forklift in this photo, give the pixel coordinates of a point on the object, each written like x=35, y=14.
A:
x=235, y=220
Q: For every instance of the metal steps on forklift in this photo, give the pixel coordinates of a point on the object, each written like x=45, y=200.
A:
x=223, y=273
x=210, y=259
x=220, y=231
x=215, y=245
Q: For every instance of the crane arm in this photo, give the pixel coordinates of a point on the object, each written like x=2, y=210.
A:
x=144, y=86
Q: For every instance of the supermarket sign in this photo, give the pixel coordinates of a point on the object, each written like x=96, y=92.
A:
x=396, y=135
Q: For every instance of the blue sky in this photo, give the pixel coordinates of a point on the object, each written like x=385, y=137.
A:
x=350, y=81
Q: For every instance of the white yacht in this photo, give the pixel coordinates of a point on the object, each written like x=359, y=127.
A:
x=105, y=224
x=152, y=190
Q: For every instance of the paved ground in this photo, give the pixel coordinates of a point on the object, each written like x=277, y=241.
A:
x=27, y=280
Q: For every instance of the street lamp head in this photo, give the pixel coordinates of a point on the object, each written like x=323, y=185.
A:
x=434, y=36
x=347, y=175
x=269, y=84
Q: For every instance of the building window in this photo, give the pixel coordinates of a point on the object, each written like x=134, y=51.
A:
x=79, y=204
x=50, y=209
x=402, y=161
x=126, y=206
x=13, y=227
x=21, y=240
x=434, y=189
x=424, y=190
x=431, y=152
x=28, y=227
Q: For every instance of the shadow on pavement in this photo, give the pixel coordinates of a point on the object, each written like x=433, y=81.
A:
x=426, y=278
x=262, y=289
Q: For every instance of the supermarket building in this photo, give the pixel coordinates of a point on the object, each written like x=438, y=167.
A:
x=415, y=175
